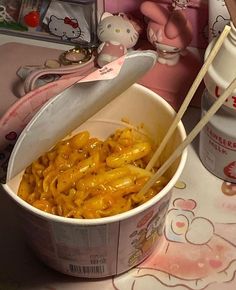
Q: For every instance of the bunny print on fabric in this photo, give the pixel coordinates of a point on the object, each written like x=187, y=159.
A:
x=191, y=253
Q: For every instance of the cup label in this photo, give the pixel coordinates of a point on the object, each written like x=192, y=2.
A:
x=218, y=152
x=87, y=251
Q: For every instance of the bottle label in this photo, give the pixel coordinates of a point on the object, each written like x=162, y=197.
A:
x=218, y=152
x=215, y=91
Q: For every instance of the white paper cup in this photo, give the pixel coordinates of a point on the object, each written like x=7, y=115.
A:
x=108, y=246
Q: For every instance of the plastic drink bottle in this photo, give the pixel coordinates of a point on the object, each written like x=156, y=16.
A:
x=217, y=149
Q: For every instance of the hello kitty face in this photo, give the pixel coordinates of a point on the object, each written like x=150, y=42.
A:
x=66, y=28
x=117, y=29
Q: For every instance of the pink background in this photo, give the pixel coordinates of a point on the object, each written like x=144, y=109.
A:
x=197, y=12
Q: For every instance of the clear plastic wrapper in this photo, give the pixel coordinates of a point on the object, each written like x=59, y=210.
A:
x=71, y=22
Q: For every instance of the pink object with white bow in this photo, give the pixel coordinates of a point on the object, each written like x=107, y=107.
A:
x=117, y=34
x=170, y=32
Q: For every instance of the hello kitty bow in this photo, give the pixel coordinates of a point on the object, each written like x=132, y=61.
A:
x=72, y=23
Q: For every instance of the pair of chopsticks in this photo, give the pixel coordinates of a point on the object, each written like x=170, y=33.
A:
x=217, y=104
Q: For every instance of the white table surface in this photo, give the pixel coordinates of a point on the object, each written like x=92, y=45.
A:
x=21, y=270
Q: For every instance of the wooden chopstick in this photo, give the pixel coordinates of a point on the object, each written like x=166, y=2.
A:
x=217, y=104
x=189, y=97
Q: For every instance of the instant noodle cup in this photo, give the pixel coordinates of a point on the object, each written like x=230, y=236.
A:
x=95, y=248
x=100, y=247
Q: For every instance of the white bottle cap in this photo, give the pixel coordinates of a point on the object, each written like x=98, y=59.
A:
x=223, y=69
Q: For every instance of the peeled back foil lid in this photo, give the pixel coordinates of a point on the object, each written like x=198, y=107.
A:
x=68, y=110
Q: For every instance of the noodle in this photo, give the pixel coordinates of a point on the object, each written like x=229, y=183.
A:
x=84, y=177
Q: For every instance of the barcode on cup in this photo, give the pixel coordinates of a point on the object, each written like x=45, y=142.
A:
x=88, y=270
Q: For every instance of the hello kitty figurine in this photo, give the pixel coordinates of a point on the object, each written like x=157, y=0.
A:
x=66, y=28
x=117, y=34
x=170, y=32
